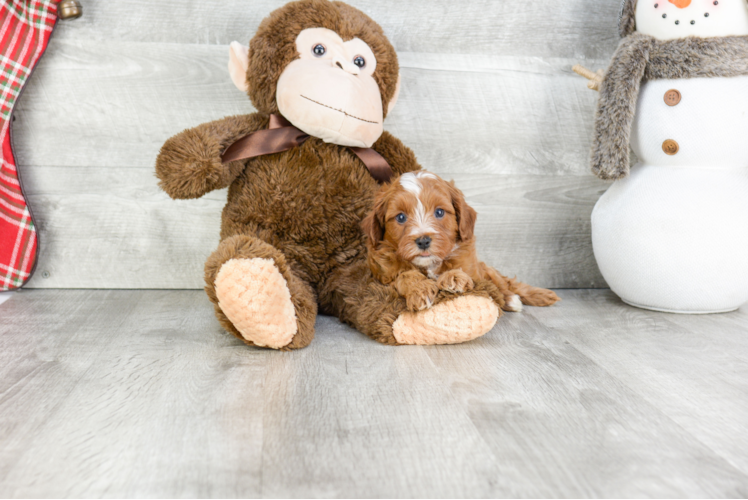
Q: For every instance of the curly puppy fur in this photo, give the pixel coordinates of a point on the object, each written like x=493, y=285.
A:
x=301, y=208
x=419, y=206
x=640, y=58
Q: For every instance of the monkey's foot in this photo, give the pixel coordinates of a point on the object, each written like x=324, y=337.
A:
x=452, y=322
x=254, y=296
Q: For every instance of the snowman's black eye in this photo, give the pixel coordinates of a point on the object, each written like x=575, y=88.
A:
x=319, y=50
x=706, y=15
x=359, y=61
x=664, y=16
x=716, y=2
x=401, y=218
x=439, y=213
x=657, y=5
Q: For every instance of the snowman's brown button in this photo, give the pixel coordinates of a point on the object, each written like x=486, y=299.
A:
x=670, y=147
x=672, y=97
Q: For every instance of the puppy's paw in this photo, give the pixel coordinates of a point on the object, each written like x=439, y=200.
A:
x=421, y=295
x=512, y=303
x=455, y=281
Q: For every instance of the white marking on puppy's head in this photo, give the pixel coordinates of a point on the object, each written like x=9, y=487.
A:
x=412, y=184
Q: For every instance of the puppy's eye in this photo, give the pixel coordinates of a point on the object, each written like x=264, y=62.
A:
x=401, y=218
x=359, y=61
x=319, y=50
x=439, y=213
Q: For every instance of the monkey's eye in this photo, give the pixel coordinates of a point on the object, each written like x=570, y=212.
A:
x=319, y=50
x=359, y=61
x=401, y=218
x=439, y=213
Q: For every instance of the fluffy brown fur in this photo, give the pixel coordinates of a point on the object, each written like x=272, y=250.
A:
x=627, y=18
x=302, y=207
x=640, y=58
x=270, y=50
x=405, y=214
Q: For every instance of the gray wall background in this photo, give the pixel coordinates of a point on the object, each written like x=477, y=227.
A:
x=488, y=99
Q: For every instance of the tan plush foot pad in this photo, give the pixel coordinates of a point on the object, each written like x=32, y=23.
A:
x=453, y=322
x=254, y=296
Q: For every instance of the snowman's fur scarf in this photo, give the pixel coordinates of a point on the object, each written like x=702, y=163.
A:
x=627, y=19
x=640, y=58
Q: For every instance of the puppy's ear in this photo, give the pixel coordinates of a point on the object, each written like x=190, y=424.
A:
x=466, y=216
x=373, y=224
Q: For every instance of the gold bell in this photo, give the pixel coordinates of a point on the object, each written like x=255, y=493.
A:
x=69, y=9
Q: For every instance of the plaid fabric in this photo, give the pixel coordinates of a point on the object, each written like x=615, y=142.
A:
x=25, y=28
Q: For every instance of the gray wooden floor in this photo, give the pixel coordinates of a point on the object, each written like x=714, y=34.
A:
x=139, y=393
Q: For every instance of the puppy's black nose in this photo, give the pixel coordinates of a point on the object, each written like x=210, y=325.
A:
x=424, y=242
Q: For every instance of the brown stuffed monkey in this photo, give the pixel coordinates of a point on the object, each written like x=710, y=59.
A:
x=291, y=243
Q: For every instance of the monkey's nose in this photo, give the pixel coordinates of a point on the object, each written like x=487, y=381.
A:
x=424, y=242
x=346, y=66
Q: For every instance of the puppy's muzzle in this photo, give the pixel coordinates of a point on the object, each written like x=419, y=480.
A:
x=424, y=242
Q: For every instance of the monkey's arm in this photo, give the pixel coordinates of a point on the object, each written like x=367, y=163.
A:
x=189, y=164
x=400, y=157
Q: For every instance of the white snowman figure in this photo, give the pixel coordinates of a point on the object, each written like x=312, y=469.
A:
x=672, y=234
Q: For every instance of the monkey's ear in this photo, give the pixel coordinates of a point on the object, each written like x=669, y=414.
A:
x=393, y=101
x=238, y=64
x=466, y=216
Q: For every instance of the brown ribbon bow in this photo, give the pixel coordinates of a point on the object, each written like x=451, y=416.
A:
x=281, y=136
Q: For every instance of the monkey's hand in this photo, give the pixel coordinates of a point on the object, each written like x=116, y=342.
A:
x=189, y=164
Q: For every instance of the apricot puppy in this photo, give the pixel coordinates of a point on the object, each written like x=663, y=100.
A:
x=420, y=240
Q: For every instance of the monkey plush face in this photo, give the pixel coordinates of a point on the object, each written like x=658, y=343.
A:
x=325, y=66
x=329, y=91
x=671, y=19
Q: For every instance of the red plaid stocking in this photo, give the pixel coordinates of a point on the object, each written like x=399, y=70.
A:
x=25, y=28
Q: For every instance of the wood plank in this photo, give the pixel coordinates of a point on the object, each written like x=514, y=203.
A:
x=115, y=103
x=137, y=394
x=351, y=418
x=171, y=407
x=47, y=343
x=140, y=394
x=113, y=228
x=694, y=369
x=556, y=419
x=4, y=296
x=573, y=28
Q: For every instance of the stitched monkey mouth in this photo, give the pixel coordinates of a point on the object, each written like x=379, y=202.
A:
x=338, y=110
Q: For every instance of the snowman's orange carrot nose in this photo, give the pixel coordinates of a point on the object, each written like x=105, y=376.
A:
x=681, y=4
